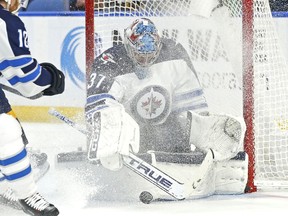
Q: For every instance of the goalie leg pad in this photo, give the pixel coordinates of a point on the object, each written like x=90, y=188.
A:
x=232, y=175
x=225, y=177
x=113, y=162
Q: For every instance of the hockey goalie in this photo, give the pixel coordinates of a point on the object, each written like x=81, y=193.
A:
x=144, y=98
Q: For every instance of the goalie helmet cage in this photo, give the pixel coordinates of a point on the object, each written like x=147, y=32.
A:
x=246, y=39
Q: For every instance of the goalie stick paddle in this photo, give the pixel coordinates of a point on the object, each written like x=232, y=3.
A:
x=159, y=178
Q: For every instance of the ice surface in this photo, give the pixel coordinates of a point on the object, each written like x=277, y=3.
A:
x=75, y=188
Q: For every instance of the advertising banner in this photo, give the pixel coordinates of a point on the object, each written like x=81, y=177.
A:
x=61, y=41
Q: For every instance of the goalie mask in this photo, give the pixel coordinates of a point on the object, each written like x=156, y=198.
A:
x=20, y=4
x=142, y=42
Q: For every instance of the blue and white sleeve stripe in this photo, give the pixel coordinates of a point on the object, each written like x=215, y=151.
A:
x=192, y=100
x=96, y=103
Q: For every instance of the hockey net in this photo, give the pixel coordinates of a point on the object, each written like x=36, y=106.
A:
x=236, y=52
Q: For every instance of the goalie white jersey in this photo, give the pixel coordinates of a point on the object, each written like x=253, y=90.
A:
x=154, y=81
x=158, y=101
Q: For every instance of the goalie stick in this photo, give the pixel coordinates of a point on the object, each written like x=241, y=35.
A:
x=165, y=182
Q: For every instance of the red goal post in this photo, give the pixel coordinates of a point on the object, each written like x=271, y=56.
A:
x=236, y=52
x=89, y=34
x=248, y=88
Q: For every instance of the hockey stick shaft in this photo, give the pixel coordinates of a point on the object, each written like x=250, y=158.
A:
x=147, y=171
x=16, y=92
x=68, y=121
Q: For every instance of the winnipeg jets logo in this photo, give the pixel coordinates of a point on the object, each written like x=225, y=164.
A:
x=151, y=105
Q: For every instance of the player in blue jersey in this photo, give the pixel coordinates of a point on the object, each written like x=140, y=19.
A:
x=29, y=78
x=144, y=96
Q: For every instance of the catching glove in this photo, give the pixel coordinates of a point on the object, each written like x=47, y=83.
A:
x=222, y=133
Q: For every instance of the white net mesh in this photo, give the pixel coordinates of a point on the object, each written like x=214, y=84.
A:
x=211, y=31
x=271, y=94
